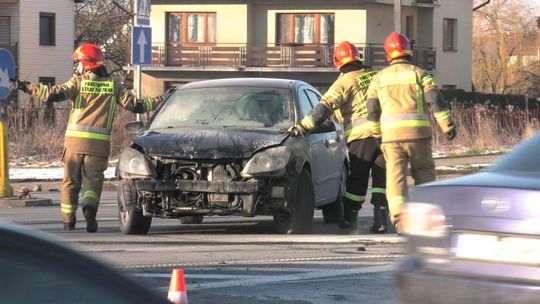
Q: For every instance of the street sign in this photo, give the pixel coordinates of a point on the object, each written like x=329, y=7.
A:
x=143, y=12
x=141, y=45
x=7, y=72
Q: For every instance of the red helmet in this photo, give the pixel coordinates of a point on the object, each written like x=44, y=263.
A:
x=396, y=46
x=90, y=55
x=344, y=53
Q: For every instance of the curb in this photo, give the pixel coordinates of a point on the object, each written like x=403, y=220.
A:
x=15, y=202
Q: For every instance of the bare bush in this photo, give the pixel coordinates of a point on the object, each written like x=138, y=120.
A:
x=31, y=135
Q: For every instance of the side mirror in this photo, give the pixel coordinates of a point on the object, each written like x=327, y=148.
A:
x=327, y=126
x=134, y=127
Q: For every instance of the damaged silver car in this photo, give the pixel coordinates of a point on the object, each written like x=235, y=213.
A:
x=221, y=147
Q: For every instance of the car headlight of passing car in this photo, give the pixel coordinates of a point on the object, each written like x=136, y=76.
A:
x=133, y=162
x=271, y=161
x=421, y=219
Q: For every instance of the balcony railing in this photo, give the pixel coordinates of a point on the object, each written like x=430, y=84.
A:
x=270, y=56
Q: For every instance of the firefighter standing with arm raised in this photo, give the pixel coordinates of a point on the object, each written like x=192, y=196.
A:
x=398, y=101
x=346, y=100
x=94, y=95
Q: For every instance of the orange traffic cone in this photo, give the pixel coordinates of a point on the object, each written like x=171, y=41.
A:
x=177, y=288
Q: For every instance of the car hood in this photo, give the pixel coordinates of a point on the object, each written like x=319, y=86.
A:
x=208, y=144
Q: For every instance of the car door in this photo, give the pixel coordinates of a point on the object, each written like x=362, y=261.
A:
x=326, y=163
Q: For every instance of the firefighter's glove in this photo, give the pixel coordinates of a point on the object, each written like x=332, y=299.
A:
x=297, y=130
x=451, y=134
x=20, y=85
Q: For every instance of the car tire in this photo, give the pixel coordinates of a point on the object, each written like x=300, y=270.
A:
x=300, y=219
x=191, y=219
x=333, y=211
x=130, y=218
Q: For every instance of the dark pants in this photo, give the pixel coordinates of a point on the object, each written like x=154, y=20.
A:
x=365, y=157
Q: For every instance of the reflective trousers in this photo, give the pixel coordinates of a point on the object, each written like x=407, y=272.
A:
x=398, y=155
x=81, y=171
x=365, y=157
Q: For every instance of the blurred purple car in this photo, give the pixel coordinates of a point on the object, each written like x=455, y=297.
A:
x=476, y=239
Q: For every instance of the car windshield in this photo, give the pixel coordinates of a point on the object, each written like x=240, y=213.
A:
x=524, y=158
x=241, y=107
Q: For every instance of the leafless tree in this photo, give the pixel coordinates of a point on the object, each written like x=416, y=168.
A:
x=502, y=59
x=103, y=23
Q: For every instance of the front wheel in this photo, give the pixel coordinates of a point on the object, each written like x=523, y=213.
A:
x=333, y=212
x=299, y=218
x=130, y=216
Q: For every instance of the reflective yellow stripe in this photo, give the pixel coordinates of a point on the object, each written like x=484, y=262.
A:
x=358, y=129
x=353, y=197
x=97, y=87
x=378, y=190
x=335, y=95
x=394, y=54
x=374, y=124
x=419, y=99
x=428, y=80
x=442, y=115
x=308, y=123
x=91, y=194
x=42, y=90
x=90, y=135
x=68, y=208
x=405, y=123
x=149, y=106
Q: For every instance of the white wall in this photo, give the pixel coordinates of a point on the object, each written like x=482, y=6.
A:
x=45, y=61
x=454, y=67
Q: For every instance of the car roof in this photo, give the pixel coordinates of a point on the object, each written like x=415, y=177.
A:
x=244, y=82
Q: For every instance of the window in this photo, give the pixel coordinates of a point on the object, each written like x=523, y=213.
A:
x=47, y=29
x=50, y=81
x=304, y=103
x=191, y=28
x=5, y=29
x=409, y=27
x=449, y=34
x=313, y=97
x=305, y=28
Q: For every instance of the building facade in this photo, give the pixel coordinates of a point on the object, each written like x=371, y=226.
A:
x=40, y=36
x=196, y=40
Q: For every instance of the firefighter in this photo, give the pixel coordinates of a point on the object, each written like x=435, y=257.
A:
x=94, y=95
x=346, y=100
x=398, y=101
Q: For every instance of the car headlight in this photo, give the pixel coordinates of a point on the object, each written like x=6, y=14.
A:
x=421, y=219
x=271, y=161
x=133, y=162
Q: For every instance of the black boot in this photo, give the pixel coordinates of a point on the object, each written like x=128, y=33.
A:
x=350, y=216
x=69, y=221
x=380, y=222
x=90, y=216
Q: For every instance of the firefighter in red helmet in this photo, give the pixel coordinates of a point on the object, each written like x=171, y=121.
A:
x=346, y=101
x=94, y=96
x=400, y=99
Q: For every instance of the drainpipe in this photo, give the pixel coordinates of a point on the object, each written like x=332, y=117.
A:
x=397, y=16
x=481, y=5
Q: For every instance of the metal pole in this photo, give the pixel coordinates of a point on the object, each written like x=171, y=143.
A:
x=397, y=16
x=138, y=84
x=5, y=187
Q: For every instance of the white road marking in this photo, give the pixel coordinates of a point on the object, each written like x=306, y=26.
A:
x=241, y=280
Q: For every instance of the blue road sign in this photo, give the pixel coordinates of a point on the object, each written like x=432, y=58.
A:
x=7, y=72
x=141, y=45
x=143, y=12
